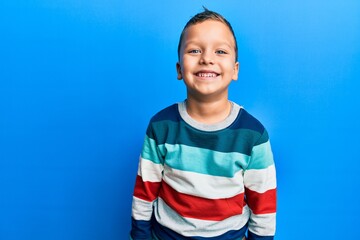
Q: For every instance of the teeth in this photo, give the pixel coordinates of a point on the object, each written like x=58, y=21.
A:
x=206, y=74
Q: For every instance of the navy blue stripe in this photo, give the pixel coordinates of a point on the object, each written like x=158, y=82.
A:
x=140, y=230
x=170, y=113
x=253, y=236
x=244, y=119
x=165, y=233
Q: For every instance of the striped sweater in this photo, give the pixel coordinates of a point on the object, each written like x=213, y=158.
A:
x=198, y=181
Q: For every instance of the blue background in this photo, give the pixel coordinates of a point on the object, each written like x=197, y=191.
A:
x=79, y=81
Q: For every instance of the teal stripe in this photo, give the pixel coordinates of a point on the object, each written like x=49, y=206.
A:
x=264, y=138
x=200, y=160
x=204, y=161
x=261, y=157
x=227, y=140
x=150, y=151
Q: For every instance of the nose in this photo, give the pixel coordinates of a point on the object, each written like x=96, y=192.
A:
x=207, y=58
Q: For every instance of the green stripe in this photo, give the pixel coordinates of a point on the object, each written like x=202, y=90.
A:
x=261, y=157
x=204, y=161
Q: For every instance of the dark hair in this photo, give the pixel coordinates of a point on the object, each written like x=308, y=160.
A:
x=202, y=17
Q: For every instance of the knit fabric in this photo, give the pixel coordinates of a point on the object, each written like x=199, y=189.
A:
x=198, y=181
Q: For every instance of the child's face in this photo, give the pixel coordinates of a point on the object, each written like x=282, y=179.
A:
x=207, y=59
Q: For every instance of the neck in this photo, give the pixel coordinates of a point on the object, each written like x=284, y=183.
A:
x=208, y=112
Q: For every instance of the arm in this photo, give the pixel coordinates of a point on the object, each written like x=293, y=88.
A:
x=260, y=191
x=148, y=182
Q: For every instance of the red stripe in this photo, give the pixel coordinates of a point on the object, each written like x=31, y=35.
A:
x=261, y=203
x=202, y=208
x=147, y=191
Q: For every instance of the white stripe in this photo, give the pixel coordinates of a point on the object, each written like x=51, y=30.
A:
x=150, y=171
x=260, y=180
x=196, y=227
x=141, y=209
x=202, y=185
x=263, y=224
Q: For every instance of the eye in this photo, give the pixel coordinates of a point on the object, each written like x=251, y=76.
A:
x=194, y=51
x=220, y=52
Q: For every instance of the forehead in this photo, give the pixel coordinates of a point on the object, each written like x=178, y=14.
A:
x=209, y=31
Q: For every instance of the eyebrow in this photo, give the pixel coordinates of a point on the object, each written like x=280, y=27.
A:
x=196, y=43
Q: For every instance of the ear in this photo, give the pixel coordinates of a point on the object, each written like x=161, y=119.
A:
x=236, y=71
x=178, y=70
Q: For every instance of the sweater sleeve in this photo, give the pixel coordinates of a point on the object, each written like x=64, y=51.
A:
x=147, y=185
x=260, y=190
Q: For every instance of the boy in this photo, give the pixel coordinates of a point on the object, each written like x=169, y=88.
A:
x=206, y=169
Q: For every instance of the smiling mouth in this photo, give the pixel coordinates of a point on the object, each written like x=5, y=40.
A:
x=207, y=74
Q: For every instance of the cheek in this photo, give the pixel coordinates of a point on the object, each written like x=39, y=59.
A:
x=230, y=66
x=186, y=67
x=188, y=61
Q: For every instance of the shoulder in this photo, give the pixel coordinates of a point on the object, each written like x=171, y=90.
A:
x=252, y=126
x=170, y=113
x=164, y=123
x=247, y=121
